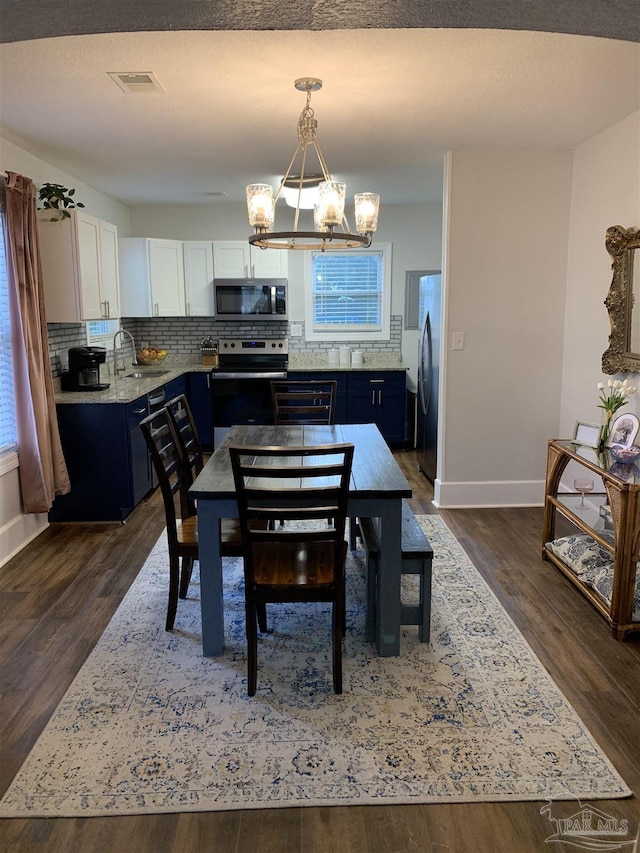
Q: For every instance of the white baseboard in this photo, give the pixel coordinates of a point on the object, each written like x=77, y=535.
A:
x=500, y=493
x=18, y=532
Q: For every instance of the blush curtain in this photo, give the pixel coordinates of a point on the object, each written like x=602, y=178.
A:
x=42, y=469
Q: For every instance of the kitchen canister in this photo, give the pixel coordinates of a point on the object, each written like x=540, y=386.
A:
x=357, y=358
x=333, y=356
x=345, y=356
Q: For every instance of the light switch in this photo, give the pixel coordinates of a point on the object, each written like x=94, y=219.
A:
x=296, y=330
x=458, y=340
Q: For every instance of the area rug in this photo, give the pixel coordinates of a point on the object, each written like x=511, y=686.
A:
x=151, y=726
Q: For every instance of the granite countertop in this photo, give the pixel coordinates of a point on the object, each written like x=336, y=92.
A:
x=126, y=389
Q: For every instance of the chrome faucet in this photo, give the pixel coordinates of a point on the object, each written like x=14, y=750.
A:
x=117, y=369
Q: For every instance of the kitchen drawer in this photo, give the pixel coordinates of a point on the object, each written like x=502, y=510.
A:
x=136, y=411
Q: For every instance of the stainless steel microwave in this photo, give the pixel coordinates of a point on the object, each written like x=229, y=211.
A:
x=250, y=298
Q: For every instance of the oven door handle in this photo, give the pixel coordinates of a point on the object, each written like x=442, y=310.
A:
x=261, y=374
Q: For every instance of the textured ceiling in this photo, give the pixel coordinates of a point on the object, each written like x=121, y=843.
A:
x=29, y=19
x=394, y=100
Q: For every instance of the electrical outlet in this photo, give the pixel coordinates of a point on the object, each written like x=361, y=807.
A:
x=457, y=340
x=296, y=330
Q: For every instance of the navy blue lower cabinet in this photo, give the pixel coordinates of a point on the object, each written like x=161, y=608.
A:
x=107, y=459
x=175, y=388
x=327, y=376
x=379, y=397
x=201, y=404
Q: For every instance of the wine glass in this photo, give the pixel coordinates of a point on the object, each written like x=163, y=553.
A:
x=584, y=486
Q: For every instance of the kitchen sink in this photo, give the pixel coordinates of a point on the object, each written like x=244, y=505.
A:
x=148, y=374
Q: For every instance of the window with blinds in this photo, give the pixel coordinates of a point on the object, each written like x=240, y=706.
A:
x=347, y=291
x=101, y=332
x=8, y=434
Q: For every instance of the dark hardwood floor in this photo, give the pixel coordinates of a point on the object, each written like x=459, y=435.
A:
x=58, y=594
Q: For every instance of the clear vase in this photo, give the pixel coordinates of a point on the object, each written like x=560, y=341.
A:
x=606, y=427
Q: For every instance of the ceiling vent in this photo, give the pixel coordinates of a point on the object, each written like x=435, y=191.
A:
x=136, y=82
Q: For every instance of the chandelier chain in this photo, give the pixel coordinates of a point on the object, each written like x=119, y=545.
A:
x=307, y=124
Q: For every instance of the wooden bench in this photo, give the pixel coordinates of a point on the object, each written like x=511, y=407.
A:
x=417, y=559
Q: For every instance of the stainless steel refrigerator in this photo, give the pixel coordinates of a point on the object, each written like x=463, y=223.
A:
x=428, y=375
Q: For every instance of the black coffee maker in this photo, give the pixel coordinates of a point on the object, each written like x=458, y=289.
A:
x=84, y=370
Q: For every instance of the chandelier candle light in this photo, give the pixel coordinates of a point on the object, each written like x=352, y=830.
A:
x=310, y=190
x=617, y=395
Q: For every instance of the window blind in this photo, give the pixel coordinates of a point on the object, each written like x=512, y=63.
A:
x=347, y=290
x=8, y=436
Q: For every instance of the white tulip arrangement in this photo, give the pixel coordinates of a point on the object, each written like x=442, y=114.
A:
x=613, y=397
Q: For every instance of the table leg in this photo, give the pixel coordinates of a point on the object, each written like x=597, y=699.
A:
x=211, y=602
x=389, y=579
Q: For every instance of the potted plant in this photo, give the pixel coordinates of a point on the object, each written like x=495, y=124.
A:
x=58, y=199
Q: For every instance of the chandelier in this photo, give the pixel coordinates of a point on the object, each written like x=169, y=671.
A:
x=309, y=186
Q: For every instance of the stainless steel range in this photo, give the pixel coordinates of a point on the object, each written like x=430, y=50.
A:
x=241, y=383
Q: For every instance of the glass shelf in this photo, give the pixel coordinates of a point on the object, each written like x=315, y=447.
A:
x=602, y=461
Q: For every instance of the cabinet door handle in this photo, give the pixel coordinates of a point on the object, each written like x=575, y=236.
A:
x=380, y=397
x=246, y=271
x=208, y=381
x=108, y=307
x=253, y=271
x=188, y=309
x=373, y=396
x=156, y=309
x=139, y=411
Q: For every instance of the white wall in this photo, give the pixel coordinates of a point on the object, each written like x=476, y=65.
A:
x=17, y=528
x=504, y=285
x=605, y=192
x=15, y=159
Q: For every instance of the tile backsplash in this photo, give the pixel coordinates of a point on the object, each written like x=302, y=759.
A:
x=181, y=336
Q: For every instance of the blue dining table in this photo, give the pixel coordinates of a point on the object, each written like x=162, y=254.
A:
x=376, y=491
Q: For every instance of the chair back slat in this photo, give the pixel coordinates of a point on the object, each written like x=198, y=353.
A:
x=289, y=484
x=167, y=463
x=186, y=437
x=304, y=401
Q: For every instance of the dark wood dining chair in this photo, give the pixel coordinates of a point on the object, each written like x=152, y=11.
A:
x=292, y=563
x=304, y=401
x=182, y=531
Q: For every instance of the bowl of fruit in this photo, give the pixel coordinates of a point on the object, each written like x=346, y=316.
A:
x=151, y=355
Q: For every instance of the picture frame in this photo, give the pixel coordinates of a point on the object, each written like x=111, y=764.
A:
x=587, y=435
x=624, y=430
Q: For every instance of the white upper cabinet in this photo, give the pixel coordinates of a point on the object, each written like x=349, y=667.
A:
x=79, y=268
x=151, y=277
x=198, y=277
x=110, y=269
x=237, y=259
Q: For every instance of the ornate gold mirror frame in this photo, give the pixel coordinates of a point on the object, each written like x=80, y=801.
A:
x=621, y=244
